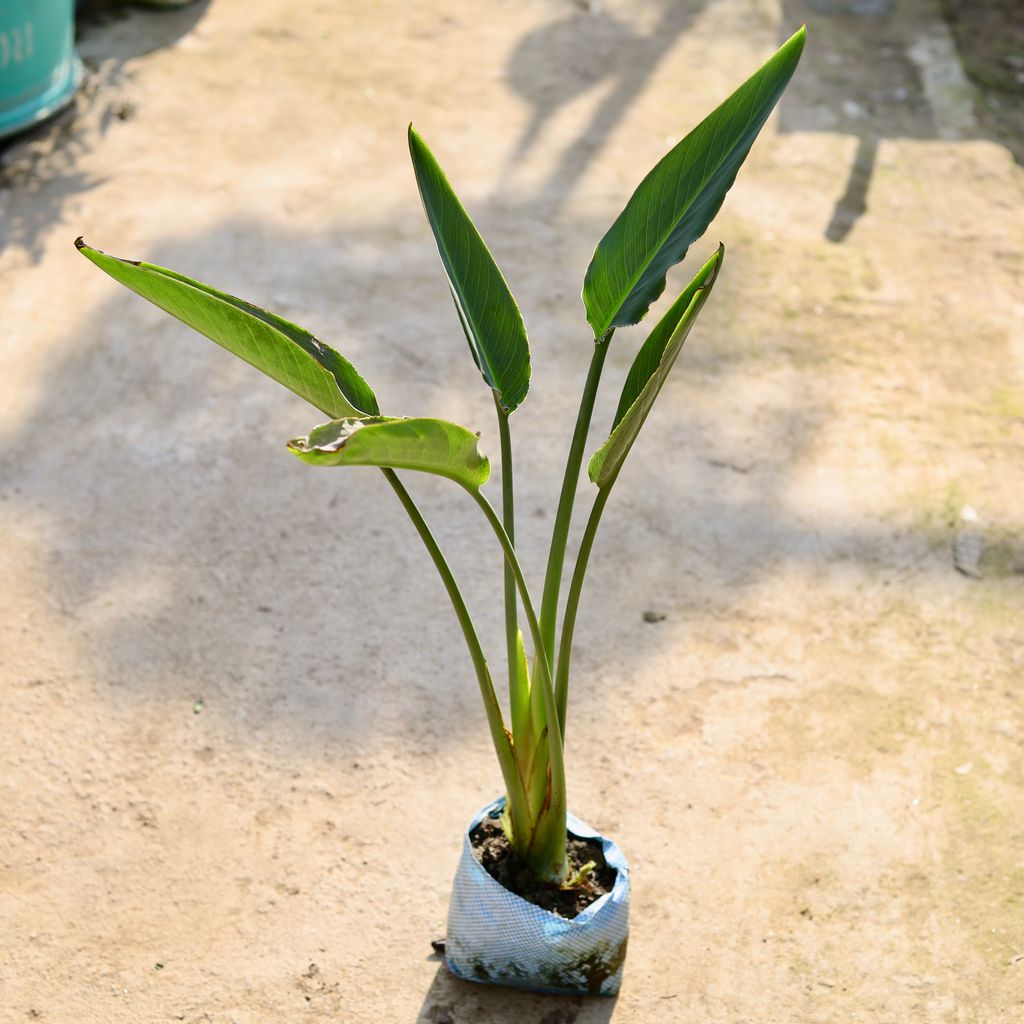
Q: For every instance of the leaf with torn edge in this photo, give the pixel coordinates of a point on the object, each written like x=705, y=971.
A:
x=427, y=445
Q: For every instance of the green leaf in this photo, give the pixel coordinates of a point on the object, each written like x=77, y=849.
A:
x=427, y=445
x=675, y=203
x=489, y=315
x=283, y=351
x=649, y=371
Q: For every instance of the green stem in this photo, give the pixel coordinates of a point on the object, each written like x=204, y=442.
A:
x=573, y=600
x=499, y=734
x=563, y=516
x=518, y=696
x=543, y=660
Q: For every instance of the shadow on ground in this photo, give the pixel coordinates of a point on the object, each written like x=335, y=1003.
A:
x=173, y=481
x=915, y=88
x=588, y=49
x=164, y=492
x=873, y=69
x=877, y=70
x=450, y=1000
x=45, y=164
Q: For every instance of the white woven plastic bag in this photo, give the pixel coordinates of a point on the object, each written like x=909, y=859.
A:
x=497, y=937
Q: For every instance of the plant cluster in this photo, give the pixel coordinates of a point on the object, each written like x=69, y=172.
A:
x=670, y=209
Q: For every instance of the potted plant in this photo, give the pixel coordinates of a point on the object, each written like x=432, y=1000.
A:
x=540, y=900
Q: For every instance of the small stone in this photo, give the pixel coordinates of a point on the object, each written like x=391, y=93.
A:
x=968, y=547
x=653, y=616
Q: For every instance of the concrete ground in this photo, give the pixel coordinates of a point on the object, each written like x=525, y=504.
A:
x=240, y=736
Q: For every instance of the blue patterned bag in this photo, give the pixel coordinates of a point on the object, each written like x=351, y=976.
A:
x=497, y=937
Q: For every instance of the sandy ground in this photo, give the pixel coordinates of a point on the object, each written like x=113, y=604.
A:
x=240, y=738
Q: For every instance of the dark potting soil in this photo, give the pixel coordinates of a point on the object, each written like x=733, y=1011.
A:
x=492, y=849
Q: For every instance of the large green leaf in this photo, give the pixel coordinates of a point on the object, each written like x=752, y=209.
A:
x=283, y=351
x=649, y=371
x=675, y=203
x=489, y=315
x=427, y=445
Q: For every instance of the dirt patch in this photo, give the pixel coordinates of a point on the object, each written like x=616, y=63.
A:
x=493, y=850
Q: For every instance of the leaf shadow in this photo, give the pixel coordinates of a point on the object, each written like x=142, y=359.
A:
x=582, y=51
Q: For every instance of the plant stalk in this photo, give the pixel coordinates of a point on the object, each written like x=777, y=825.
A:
x=518, y=695
x=563, y=516
x=499, y=734
x=544, y=678
x=573, y=600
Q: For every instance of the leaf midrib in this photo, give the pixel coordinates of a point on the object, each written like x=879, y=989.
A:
x=464, y=316
x=298, y=336
x=664, y=238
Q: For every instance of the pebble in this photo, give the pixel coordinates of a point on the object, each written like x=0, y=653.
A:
x=968, y=547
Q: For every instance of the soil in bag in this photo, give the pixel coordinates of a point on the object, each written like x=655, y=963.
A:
x=491, y=848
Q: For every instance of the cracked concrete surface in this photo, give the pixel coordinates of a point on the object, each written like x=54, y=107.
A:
x=240, y=735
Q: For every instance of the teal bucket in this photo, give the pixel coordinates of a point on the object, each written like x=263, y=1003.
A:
x=39, y=70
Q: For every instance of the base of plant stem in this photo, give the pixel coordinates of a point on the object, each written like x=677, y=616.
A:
x=498, y=938
x=590, y=875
